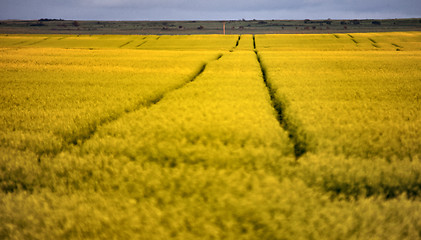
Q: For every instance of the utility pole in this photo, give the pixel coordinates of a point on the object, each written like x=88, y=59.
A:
x=223, y=27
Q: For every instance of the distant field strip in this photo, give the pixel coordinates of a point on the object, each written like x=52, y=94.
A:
x=195, y=42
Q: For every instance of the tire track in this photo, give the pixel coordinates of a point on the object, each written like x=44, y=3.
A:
x=141, y=44
x=353, y=39
x=372, y=40
x=19, y=43
x=289, y=123
x=236, y=44
x=398, y=47
x=127, y=43
x=374, y=43
x=238, y=41
x=33, y=43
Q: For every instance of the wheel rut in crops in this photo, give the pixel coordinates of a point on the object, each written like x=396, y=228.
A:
x=236, y=43
x=295, y=133
x=157, y=99
x=140, y=44
x=127, y=43
x=80, y=139
x=39, y=41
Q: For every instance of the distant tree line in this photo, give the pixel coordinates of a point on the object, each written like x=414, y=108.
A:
x=49, y=19
x=307, y=21
x=355, y=22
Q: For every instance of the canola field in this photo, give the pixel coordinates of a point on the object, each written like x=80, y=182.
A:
x=312, y=136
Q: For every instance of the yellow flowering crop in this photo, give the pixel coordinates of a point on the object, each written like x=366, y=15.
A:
x=357, y=110
x=210, y=137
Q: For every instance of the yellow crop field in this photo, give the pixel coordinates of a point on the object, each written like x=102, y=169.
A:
x=312, y=136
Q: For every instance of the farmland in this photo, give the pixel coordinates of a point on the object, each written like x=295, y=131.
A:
x=313, y=136
x=254, y=26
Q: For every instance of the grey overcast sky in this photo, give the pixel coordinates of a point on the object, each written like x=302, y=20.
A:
x=207, y=9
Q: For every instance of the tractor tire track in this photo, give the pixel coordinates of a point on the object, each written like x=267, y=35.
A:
x=238, y=41
x=236, y=44
x=40, y=41
x=353, y=39
x=143, y=42
x=140, y=44
x=19, y=43
x=398, y=47
x=295, y=133
x=127, y=43
x=374, y=43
